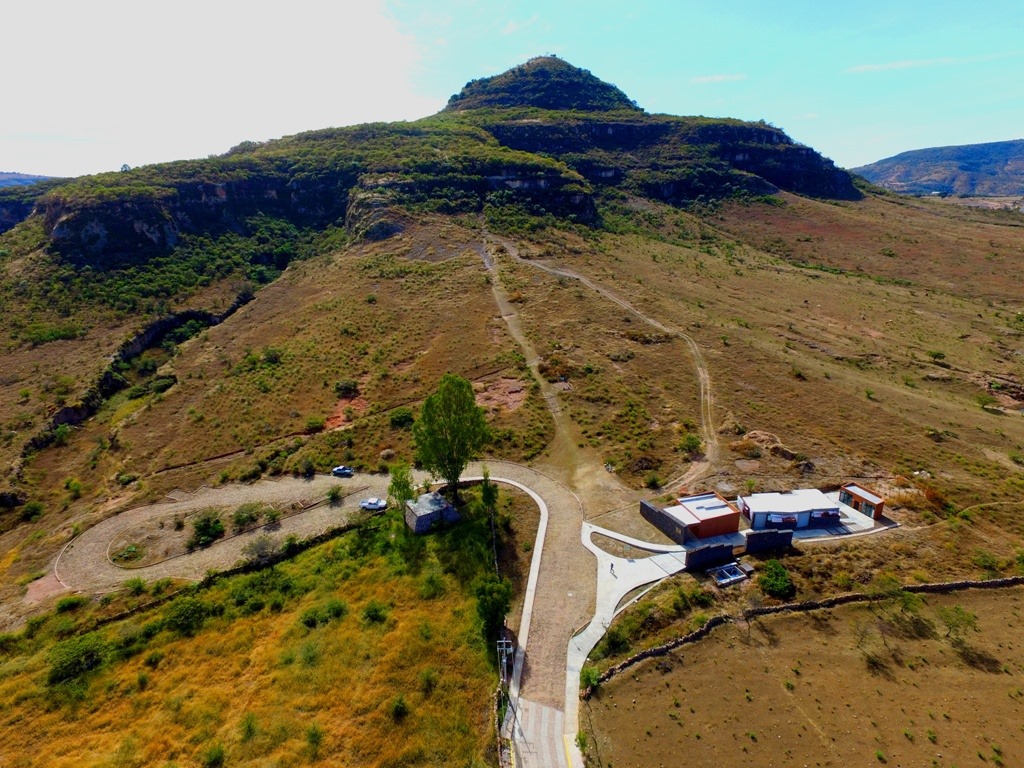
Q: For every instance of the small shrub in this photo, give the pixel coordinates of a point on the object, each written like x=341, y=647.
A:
x=206, y=529
x=246, y=515
x=214, y=757
x=129, y=553
x=346, y=389
x=315, y=424
x=335, y=494
x=589, y=677
x=61, y=434
x=186, y=616
x=71, y=603
x=8, y=642
x=248, y=727
x=402, y=418
x=335, y=608
x=153, y=660
x=432, y=585
x=428, y=680
x=135, y=586
x=75, y=656
x=314, y=738
x=262, y=549
x=399, y=708
x=310, y=654
x=493, y=600
x=775, y=581
x=690, y=444
x=375, y=612
x=32, y=511
x=986, y=561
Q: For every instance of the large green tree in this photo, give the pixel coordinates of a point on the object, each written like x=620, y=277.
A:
x=450, y=431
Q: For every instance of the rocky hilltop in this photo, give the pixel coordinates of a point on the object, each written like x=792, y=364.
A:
x=993, y=169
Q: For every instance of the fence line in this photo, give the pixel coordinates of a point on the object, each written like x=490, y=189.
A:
x=802, y=607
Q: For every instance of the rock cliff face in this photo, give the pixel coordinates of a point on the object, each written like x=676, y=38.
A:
x=543, y=136
x=675, y=159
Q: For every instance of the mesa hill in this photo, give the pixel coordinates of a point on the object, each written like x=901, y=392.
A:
x=543, y=137
x=545, y=82
x=993, y=169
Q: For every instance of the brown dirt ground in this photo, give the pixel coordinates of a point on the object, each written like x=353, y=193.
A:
x=796, y=690
x=504, y=394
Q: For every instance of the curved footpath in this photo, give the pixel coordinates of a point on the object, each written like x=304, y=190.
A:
x=84, y=563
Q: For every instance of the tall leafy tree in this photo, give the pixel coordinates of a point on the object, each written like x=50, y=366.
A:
x=450, y=431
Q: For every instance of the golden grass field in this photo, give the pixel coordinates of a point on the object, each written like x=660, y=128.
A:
x=856, y=685
x=258, y=682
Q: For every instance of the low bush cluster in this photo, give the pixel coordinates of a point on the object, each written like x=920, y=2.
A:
x=775, y=581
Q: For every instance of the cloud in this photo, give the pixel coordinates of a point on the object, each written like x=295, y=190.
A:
x=704, y=79
x=517, y=26
x=916, y=63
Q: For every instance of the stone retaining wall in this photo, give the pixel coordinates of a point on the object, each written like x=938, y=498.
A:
x=808, y=605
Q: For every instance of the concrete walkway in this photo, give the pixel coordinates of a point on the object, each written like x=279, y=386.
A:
x=616, y=578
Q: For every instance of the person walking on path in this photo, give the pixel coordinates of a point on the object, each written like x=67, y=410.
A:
x=611, y=567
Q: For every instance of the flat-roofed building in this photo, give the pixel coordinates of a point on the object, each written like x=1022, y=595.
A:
x=862, y=499
x=694, y=517
x=802, y=508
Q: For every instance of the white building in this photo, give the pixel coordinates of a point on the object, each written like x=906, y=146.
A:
x=803, y=508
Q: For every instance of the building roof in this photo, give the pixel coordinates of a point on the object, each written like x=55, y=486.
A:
x=864, y=493
x=693, y=510
x=789, y=502
x=428, y=504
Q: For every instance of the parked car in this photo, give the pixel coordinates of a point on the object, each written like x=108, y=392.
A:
x=373, y=504
x=343, y=471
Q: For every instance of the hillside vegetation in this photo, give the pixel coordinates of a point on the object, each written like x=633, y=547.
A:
x=640, y=302
x=994, y=169
x=368, y=649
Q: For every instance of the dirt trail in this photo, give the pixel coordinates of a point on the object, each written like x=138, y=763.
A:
x=707, y=400
x=566, y=591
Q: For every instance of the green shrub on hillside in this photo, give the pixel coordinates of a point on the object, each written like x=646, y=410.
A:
x=75, y=656
x=775, y=581
x=206, y=529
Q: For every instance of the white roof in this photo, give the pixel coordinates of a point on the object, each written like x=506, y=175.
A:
x=789, y=502
x=864, y=493
x=691, y=510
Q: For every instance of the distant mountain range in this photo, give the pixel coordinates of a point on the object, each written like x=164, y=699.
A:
x=8, y=179
x=994, y=169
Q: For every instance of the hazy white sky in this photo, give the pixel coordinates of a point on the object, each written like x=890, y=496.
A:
x=91, y=84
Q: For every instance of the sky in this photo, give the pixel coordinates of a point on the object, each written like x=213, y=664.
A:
x=90, y=85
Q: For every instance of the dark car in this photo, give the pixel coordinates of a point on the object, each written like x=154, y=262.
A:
x=343, y=471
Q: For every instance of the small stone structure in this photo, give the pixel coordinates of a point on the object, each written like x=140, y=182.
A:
x=429, y=511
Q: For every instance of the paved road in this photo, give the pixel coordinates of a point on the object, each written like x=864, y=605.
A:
x=84, y=564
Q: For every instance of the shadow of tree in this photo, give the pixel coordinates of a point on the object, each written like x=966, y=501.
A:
x=978, y=658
